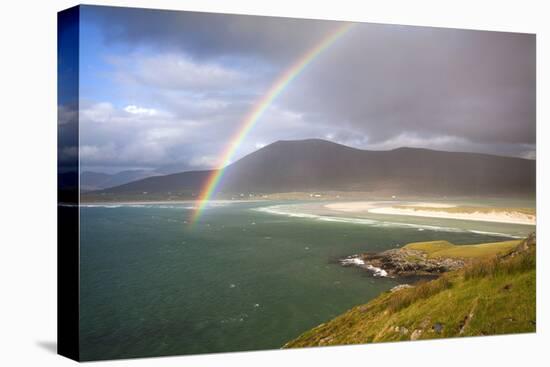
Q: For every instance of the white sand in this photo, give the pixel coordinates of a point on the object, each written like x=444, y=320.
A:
x=353, y=206
x=499, y=217
x=431, y=205
x=383, y=208
x=366, y=206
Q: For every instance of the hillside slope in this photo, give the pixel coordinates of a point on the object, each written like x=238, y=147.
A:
x=489, y=297
x=96, y=181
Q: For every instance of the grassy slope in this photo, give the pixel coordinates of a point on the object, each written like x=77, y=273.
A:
x=436, y=249
x=492, y=296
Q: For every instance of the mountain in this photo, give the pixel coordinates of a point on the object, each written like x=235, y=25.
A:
x=96, y=181
x=318, y=165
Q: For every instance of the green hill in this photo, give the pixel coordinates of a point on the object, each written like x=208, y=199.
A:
x=493, y=295
x=444, y=249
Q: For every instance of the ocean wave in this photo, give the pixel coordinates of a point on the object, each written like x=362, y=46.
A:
x=498, y=234
x=286, y=211
x=356, y=261
x=208, y=205
x=275, y=209
x=352, y=261
x=238, y=318
x=171, y=207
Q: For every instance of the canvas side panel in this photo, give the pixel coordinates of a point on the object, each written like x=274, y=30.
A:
x=68, y=184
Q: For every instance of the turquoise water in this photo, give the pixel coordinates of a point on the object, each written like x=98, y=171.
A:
x=239, y=279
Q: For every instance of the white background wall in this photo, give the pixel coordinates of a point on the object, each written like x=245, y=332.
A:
x=28, y=182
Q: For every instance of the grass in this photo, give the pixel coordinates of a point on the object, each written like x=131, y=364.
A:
x=470, y=209
x=492, y=267
x=488, y=297
x=429, y=247
x=444, y=249
x=422, y=290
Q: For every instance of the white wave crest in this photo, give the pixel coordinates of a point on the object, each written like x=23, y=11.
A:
x=357, y=261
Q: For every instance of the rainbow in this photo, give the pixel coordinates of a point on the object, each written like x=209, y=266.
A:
x=258, y=110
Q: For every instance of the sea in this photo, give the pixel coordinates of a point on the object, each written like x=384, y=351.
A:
x=245, y=276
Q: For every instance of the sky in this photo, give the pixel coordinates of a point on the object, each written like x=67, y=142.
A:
x=166, y=91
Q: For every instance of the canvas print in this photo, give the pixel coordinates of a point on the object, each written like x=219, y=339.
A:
x=235, y=183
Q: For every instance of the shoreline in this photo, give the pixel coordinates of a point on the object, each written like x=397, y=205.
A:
x=433, y=210
x=432, y=258
x=418, y=209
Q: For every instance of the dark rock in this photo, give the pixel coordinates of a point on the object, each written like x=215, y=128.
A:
x=524, y=245
x=507, y=287
x=438, y=327
x=416, y=334
x=407, y=262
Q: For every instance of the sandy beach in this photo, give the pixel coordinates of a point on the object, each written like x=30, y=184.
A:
x=353, y=206
x=422, y=209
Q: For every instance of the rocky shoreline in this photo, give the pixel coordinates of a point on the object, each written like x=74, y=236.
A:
x=411, y=262
x=403, y=263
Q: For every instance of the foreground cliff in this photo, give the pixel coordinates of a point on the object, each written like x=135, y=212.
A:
x=494, y=295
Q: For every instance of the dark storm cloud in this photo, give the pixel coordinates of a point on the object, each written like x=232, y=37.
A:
x=205, y=35
x=388, y=80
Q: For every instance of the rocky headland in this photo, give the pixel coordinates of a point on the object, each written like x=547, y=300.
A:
x=430, y=258
x=403, y=263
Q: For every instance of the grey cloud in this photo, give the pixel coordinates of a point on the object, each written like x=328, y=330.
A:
x=386, y=80
x=67, y=136
x=209, y=35
x=175, y=72
x=140, y=137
